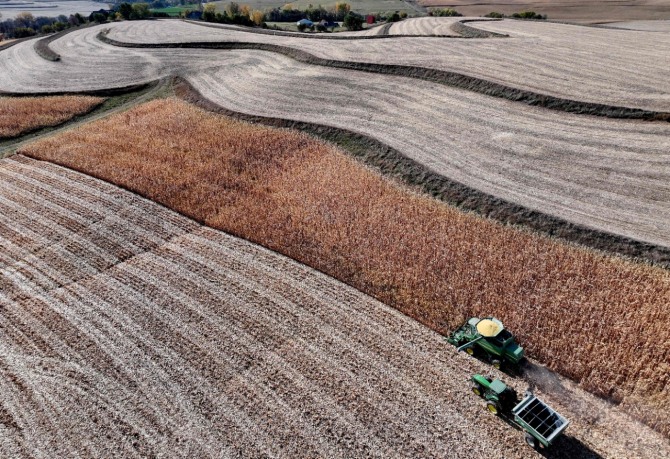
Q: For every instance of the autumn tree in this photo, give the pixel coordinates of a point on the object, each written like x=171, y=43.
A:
x=257, y=17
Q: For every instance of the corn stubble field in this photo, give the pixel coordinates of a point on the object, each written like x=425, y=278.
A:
x=19, y=115
x=436, y=264
x=131, y=331
x=177, y=339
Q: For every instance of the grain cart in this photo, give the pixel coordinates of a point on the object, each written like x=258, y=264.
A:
x=489, y=338
x=540, y=422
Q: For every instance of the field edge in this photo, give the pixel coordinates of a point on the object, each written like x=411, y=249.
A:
x=391, y=162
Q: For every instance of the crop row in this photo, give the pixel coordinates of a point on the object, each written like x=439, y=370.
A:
x=22, y=114
x=577, y=311
x=196, y=343
x=615, y=67
x=585, y=170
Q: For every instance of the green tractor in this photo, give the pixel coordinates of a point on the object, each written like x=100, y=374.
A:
x=488, y=338
x=538, y=420
x=499, y=397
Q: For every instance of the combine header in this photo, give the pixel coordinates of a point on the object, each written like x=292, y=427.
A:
x=489, y=338
x=540, y=422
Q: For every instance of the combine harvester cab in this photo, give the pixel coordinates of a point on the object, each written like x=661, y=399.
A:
x=541, y=423
x=489, y=338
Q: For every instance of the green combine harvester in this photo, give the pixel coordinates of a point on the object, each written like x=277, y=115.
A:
x=540, y=422
x=487, y=338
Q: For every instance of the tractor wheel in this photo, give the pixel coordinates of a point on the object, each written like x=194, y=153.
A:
x=493, y=407
x=532, y=441
x=477, y=389
x=496, y=364
x=470, y=351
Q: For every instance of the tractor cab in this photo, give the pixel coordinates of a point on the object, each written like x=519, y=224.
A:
x=500, y=398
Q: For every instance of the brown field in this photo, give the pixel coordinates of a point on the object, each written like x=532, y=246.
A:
x=22, y=114
x=524, y=155
x=617, y=67
x=579, y=11
x=127, y=330
x=598, y=320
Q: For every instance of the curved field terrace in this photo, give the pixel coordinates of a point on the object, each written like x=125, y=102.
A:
x=129, y=330
x=604, y=174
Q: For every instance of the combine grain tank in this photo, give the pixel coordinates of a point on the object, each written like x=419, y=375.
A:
x=489, y=338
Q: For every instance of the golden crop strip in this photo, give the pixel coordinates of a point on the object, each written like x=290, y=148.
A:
x=597, y=319
x=22, y=114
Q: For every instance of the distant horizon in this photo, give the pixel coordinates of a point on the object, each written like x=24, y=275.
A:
x=49, y=8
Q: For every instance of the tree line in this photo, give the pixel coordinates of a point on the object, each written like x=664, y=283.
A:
x=26, y=25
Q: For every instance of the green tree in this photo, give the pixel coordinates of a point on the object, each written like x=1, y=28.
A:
x=353, y=21
x=140, y=11
x=99, y=18
x=209, y=12
x=232, y=9
x=125, y=10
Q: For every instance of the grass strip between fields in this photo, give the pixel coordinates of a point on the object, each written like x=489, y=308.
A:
x=596, y=319
x=443, y=77
x=392, y=162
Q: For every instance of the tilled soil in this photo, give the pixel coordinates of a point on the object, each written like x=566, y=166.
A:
x=130, y=331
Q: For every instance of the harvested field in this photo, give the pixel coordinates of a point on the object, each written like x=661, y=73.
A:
x=131, y=331
x=582, y=11
x=647, y=26
x=523, y=155
x=423, y=26
x=567, y=61
x=19, y=115
x=304, y=199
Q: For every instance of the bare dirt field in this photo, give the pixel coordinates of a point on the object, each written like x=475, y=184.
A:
x=310, y=202
x=21, y=114
x=131, y=331
x=578, y=11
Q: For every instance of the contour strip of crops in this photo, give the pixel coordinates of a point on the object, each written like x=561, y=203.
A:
x=150, y=358
x=502, y=130
x=553, y=286
x=622, y=68
x=543, y=161
x=543, y=154
x=20, y=115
